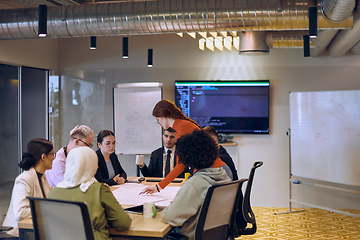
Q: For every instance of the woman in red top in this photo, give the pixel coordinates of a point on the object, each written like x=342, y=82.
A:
x=169, y=115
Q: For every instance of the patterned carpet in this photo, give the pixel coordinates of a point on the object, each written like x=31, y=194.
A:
x=310, y=224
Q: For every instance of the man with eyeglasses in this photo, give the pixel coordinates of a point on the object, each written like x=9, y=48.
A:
x=80, y=136
x=163, y=159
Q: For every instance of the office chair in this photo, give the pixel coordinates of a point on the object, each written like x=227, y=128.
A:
x=218, y=211
x=56, y=219
x=246, y=207
x=217, y=214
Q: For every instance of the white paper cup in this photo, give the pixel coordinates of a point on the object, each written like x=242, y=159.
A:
x=149, y=209
x=140, y=160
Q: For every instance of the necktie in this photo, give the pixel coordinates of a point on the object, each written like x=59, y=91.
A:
x=167, y=162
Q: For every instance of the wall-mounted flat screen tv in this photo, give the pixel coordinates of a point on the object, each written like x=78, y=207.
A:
x=228, y=106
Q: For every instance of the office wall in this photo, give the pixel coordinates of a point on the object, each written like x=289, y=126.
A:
x=178, y=58
x=38, y=53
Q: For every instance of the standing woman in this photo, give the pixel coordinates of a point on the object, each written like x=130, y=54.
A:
x=168, y=115
x=110, y=170
x=31, y=183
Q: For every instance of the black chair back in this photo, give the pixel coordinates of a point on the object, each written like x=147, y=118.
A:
x=246, y=207
x=56, y=219
x=217, y=213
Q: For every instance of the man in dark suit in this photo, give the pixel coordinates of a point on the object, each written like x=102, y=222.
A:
x=163, y=159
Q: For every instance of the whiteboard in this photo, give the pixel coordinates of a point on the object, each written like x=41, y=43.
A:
x=325, y=136
x=135, y=128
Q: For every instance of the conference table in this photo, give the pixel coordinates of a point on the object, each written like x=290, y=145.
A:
x=141, y=228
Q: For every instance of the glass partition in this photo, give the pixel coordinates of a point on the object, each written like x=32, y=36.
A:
x=9, y=140
x=75, y=101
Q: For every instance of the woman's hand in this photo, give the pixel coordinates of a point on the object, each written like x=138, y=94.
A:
x=116, y=178
x=149, y=190
x=120, y=180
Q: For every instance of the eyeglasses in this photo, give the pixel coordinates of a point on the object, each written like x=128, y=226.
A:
x=157, y=121
x=109, y=143
x=53, y=154
x=87, y=144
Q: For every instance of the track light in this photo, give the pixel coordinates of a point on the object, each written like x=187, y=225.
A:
x=125, y=42
x=42, y=24
x=93, y=42
x=306, y=45
x=313, y=22
x=150, y=57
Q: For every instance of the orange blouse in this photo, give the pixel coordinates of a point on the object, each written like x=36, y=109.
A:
x=183, y=127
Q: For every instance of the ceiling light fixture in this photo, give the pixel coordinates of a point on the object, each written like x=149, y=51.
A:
x=202, y=42
x=150, y=57
x=42, y=24
x=210, y=43
x=125, y=45
x=306, y=45
x=313, y=22
x=92, y=42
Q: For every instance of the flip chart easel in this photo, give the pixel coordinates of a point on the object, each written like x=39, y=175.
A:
x=324, y=142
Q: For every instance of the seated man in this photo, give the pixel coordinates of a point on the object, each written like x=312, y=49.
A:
x=225, y=157
x=80, y=136
x=198, y=151
x=163, y=159
x=223, y=154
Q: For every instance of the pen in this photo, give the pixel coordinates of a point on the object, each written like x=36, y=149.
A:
x=141, y=192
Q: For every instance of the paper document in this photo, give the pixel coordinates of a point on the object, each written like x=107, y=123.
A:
x=128, y=194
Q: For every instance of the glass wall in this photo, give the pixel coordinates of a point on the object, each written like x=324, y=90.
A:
x=54, y=111
x=75, y=101
x=23, y=94
x=9, y=140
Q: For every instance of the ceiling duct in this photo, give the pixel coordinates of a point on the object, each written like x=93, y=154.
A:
x=337, y=10
x=163, y=16
x=323, y=39
x=355, y=49
x=289, y=39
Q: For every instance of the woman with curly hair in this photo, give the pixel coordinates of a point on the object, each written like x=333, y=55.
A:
x=199, y=151
x=31, y=183
x=168, y=115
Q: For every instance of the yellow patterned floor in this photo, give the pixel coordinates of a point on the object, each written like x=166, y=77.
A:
x=309, y=224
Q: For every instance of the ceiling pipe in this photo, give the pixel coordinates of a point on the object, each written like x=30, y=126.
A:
x=323, y=39
x=337, y=10
x=345, y=39
x=160, y=17
x=356, y=48
x=290, y=39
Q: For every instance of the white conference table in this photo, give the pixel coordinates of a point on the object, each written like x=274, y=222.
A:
x=141, y=228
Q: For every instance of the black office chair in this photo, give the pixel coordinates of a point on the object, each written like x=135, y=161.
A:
x=217, y=214
x=56, y=219
x=246, y=207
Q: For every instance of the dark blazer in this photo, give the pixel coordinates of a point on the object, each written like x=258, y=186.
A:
x=102, y=174
x=225, y=157
x=155, y=168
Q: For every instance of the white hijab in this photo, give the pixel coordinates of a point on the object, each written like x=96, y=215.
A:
x=81, y=166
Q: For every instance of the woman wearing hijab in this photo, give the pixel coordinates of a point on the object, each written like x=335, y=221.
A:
x=30, y=183
x=80, y=185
